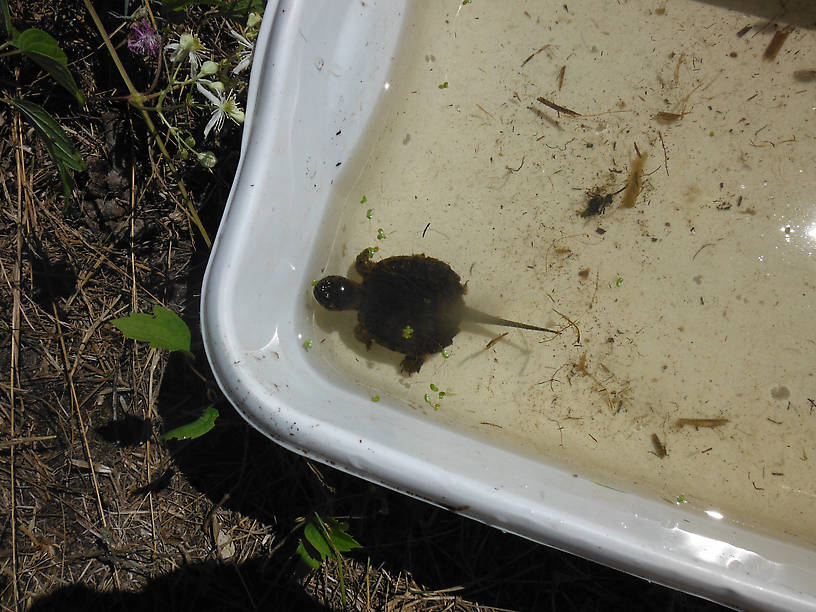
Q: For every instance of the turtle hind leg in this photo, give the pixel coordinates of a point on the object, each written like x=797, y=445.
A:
x=412, y=364
x=363, y=335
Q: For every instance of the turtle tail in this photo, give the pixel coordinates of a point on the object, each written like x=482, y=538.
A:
x=477, y=316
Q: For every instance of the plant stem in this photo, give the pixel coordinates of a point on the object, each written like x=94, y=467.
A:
x=136, y=100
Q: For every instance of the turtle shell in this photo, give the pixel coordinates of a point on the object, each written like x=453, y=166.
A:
x=411, y=304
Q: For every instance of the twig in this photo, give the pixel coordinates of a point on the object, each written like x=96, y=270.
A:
x=495, y=340
x=665, y=155
x=571, y=324
x=594, y=293
x=11, y=443
x=133, y=302
x=701, y=422
x=558, y=108
x=90, y=331
x=533, y=54
x=78, y=412
x=707, y=244
x=150, y=404
x=482, y=108
x=552, y=378
x=15, y=350
x=511, y=170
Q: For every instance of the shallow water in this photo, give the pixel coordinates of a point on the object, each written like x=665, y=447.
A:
x=695, y=303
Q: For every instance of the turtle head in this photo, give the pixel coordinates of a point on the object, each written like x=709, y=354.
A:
x=337, y=293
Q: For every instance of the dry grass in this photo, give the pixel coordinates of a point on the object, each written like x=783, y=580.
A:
x=95, y=512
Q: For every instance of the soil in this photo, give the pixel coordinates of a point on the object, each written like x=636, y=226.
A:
x=96, y=512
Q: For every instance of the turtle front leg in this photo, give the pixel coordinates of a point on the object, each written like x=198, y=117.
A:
x=363, y=335
x=412, y=364
x=363, y=263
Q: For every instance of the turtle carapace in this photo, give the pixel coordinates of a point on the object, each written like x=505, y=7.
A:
x=411, y=304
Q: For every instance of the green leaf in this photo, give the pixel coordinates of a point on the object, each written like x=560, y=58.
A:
x=56, y=141
x=11, y=31
x=342, y=541
x=328, y=538
x=230, y=8
x=164, y=329
x=195, y=429
x=316, y=539
x=45, y=50
x=241, y=9
x=41, y=43
x=52, y=133
x=334, y=535
x=306, y=557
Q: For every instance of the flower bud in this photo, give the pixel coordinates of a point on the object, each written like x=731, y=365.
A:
x=208, y=68
x=207, y=159
x=216, y=86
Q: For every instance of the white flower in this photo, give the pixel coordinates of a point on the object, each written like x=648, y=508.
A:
x=245, y=51
x=187, y=46
x=225, y=106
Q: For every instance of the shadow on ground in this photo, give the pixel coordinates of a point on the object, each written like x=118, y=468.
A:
x=254, y=585
x=239, y=469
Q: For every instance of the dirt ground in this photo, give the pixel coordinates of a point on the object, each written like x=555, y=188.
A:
x=96, y=513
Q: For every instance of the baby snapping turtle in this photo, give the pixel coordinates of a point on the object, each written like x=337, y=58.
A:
x=411, y=304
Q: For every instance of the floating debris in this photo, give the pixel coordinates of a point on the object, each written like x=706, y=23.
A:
x=597, y=204
x=495, y=340
x=779, y=38
x=533, y=54
x=667, y=117
x=558, y=108
x=660, y=448
x=634, y=183
x=701, y=422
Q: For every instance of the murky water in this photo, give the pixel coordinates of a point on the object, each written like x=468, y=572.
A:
x=503, y=120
